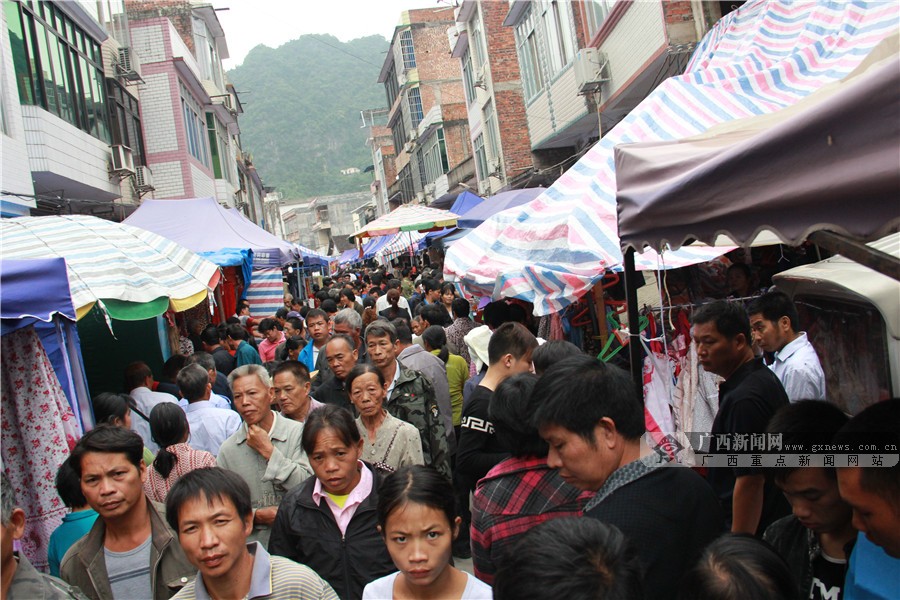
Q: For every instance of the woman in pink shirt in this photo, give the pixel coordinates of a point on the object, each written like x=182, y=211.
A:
x=169, y=428
x=273, y=337
x=329, y=523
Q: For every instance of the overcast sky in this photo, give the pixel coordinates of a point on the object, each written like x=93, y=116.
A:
x=248, y=23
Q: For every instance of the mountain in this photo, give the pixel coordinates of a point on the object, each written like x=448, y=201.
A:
x=301, y=117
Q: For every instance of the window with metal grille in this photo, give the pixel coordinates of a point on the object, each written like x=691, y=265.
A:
x=414, y=99
x=407, y=50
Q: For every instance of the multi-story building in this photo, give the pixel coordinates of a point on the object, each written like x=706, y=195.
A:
x=190, y=110
x=324, y=223
x=380, y=141
x=584, y=65
x=426, y=109
x=71, y=126
x=493, y=88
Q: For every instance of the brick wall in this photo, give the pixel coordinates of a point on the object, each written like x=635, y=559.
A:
x=677, y=11
x=507, y=86
x=177, y=11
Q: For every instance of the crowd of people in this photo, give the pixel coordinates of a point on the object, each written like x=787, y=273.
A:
x=361, y=447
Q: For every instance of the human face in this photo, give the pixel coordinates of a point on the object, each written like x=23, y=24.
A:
x=432, y=296
x=581, y=464
x=213, y=535
x=738, y=282
x=716, y=353
x=447, y=297
x=112, y=485
x=253, y=400
x=340, y=358
x=770, y=336
x=345, y=329
x=367, y=395
x=416, y=326
x=382, y=351
x=419, y=539
x=519, y=365
x=318, y=329
x=289, y=330
x=292, y=395
x=335, y=464
x=294, y=354
x=815, y=500
x=873, y=514
x=273, y=335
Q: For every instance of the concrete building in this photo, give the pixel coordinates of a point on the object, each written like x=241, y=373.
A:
x=191, y=111
x=71, y=127
x=426, y=109
x=380, y=141
x=324, y=223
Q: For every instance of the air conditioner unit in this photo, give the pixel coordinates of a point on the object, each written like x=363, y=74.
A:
x=125, y=59
x=408, y=147
x=412, y=135
x=122, y=159
x=429, y=189
x=143, y=178
x=589, y=66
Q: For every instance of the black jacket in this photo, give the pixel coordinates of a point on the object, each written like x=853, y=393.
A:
x=799, y=547
x=308, y=534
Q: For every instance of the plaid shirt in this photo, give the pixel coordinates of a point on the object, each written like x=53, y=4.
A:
x=456, y=331
x=513, y=497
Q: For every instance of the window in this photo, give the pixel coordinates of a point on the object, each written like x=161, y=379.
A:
x=391, y=88
x=194, y=127
x=436, y=162
x=596, y=12
x=529, y=54
x=58, y=66
x=414, y=100
x=490, y=130
x=481, y=165
x=477, y=42
x=468, y=77
x=125, y=120
x=559, y=34
x=398, y=131
x=407, y=50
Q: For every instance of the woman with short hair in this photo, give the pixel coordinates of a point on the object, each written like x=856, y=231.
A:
x=329, y=522
x=388, y=442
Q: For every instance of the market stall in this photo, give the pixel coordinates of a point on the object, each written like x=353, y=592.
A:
x=758, y=59
x=122, y=279
x=44, y=394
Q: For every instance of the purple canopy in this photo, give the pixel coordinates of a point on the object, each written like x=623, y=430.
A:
x=203, y=225
x=495, y=204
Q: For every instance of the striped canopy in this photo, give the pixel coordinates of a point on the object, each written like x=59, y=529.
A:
x=409, y=217
x=135, y=274
x=400, y=244
x=758, y=59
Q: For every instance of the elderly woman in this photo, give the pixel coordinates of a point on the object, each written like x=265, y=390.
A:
x=329, y=523
x=170, y=429
x=388, y=442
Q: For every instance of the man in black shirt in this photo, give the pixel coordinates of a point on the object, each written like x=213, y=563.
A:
x=814, y=540
x=509, y=353
x=749, y=396
x=591, y=418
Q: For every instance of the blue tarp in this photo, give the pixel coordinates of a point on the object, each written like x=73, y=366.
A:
x=478, y=214
x=234, y=257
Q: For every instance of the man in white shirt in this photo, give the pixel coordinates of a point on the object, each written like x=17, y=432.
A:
x=139, y=383
x=775, y=323
x=210, y=425
x=382, y=302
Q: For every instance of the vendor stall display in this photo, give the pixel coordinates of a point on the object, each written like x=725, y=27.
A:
x=43, y=394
